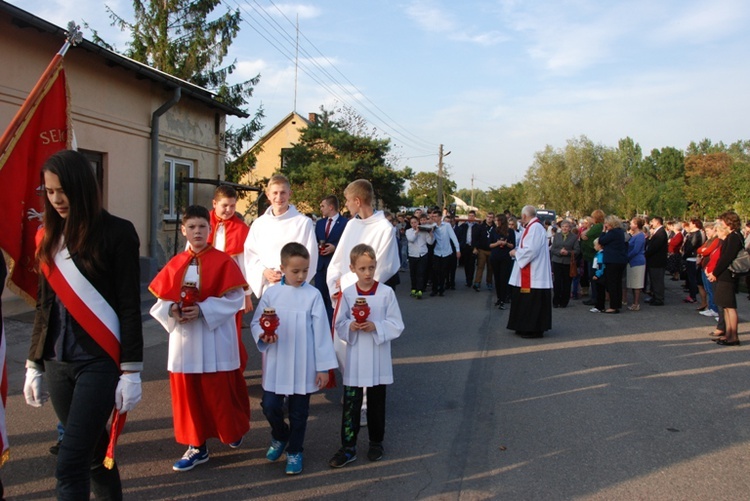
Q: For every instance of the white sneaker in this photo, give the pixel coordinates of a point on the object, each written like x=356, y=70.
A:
x=713, y=313
x=595, y=310
x=705, y=313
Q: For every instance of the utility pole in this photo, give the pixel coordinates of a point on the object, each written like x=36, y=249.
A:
x=472, y=190
x=440, y=179
x=440, y=176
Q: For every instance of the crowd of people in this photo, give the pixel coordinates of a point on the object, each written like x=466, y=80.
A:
x=325, y=301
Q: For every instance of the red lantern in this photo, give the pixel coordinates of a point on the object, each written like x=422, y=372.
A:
x=269, y=321
x=188, y=295
x=360, y=310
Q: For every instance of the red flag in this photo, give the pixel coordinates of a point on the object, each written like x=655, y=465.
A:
x=40, y=128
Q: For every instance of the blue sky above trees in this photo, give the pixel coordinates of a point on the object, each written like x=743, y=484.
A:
x=494, y=81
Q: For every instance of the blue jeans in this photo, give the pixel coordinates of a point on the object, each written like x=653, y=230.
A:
x=294, y=432
x=83, y=396
x=709, y=291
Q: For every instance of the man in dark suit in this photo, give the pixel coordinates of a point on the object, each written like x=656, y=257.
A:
x=328, y=230
x=656, y=260
x=467, y=234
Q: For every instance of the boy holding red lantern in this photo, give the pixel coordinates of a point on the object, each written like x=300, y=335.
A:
x=296, y=357
x=199, y=293
x=367, y=329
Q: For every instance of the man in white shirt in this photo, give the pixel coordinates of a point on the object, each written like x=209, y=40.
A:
x=444, y=235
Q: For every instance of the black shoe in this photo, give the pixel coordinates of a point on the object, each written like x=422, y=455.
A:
x=501, y=306
x=589, y=302
x=55, y=448
x=498, y=302
x=475, y=287
x=724, y=342
x=375, y=452
x=648, y=300
x=656, y=303
x=342, y=458
x=531, y=335
x=433, y=293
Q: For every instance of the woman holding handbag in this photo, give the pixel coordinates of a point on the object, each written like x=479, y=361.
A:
x=724, y=279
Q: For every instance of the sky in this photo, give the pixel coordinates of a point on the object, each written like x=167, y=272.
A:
x=493, y=81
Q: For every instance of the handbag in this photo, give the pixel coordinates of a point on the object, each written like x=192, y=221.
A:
x=573, y=265
x=741, y=263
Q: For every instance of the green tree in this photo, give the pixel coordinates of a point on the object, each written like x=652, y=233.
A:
x=328, y=157
x=662, y=179
x=423, y=188
x=184, y=38
x=579, y=178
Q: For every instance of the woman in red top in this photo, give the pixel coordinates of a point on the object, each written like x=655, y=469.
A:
x=704, y=255
x=674, y=258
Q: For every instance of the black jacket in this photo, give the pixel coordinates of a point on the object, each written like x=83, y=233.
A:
x=118, y=283
x=656, y=249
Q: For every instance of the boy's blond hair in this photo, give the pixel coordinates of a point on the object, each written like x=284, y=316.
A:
x=278, y=179
x=361, y=250
x=362, y=189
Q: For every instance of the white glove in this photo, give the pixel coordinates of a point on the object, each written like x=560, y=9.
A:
x=32, y=388
x=128, y=392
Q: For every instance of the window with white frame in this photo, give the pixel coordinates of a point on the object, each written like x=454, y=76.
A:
x=177, y=195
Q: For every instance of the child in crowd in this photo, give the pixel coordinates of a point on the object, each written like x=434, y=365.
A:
x=368, y=355
x=199, y=293
x=368, y=227
x=228, y=234
x=296, y=359
x=280, y=224
x=598, y=266
x=417, y=249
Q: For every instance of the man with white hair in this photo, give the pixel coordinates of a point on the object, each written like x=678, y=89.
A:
x=531, y=280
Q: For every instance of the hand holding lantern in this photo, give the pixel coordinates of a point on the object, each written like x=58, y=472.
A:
x=269, y=322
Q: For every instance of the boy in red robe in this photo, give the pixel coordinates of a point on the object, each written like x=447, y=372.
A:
x=228, y=234
x=199, y=293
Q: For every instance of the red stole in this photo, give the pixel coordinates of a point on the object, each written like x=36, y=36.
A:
x=526, y=270
x=222, y=276
x=235, y=233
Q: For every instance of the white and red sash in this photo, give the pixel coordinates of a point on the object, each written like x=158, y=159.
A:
x=526, y=270
x=85, y=303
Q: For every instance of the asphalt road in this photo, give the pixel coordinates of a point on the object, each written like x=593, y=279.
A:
x=639, y=405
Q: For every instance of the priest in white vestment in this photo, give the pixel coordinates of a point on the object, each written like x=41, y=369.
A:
x=531, y=280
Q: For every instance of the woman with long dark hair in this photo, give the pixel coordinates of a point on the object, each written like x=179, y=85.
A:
x=87, y=337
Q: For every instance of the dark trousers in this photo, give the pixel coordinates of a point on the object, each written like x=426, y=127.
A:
x=613, y=279
x=320, y=283
x=417, y=272
x=294, y=432
x=450, y=271
x=692, y=278
x=656, y=277
x=352, y=412
x=439, y=272
x=594, y=284
x=501, y=269
x=561, y=284
x=600, y=291
x=83, y=396
x=470, y=261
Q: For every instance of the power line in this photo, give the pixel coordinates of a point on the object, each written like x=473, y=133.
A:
x=265, y=20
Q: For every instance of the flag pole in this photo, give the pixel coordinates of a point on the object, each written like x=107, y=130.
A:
x=73, y=36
